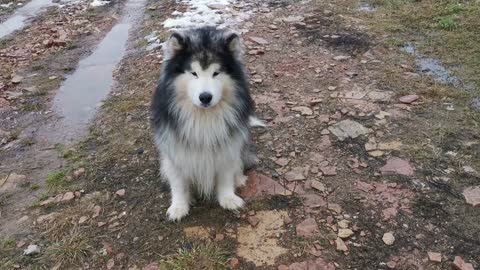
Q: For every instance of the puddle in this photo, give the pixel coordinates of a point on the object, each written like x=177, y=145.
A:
x=433, y=67
x=365, y=7
x=82, y=92
x=19, y=18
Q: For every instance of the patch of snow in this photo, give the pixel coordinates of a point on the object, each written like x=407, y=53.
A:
x=97, y=3
x=205, y=13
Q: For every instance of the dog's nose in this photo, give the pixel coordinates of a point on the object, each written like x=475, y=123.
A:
x=205, y=98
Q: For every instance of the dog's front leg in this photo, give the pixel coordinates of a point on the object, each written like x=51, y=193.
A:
x=225, y=188
x=180, y=190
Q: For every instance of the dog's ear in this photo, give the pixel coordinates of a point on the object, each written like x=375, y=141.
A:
x=234, y=44
x=174, y=44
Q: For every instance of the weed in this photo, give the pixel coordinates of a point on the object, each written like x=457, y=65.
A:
x=197, y=258
x=447, y=23
x=55, y=180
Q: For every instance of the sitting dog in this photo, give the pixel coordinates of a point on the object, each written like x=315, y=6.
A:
x=202, y=112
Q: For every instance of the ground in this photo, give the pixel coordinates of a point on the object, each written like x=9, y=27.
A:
x=371, y=157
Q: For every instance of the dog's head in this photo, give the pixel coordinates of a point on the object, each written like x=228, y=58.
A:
x=205, y=63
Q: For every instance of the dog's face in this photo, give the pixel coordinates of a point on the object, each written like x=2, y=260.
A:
x=204, y=65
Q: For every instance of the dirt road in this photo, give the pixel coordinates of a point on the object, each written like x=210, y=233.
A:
x=371, y=158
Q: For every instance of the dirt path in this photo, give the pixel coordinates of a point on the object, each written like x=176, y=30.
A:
x=370, y=160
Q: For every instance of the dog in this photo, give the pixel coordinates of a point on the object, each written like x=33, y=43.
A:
x=202, y=112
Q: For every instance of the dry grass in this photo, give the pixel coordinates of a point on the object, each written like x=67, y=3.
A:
x=71, y=250
x=198, y=257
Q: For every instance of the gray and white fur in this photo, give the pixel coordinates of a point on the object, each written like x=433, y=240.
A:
x=202, y=113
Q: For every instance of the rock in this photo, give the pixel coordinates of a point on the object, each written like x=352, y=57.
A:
x=11, y=181
x=82, y=219
x=219, y=237
x=96, y=211
x=120, y=192
x=31, y=250
x=282, y=267
x=79, y=173
x=371, y=145
x=318, y=185
x=335, y=208
x=397, y=166
x=293, y=19
x=259, y=40
x=434, y=257
x=152, y=266
x=307, y=228
x=348, y=129
x=313, y=201
x=22, y=219
x=282, y=161
x=376, y=153
x=329, y=170
x=110, y=264
x=394, y=145
x=345, y=233
x=472, y=195
x=391, y=264
x=295, y=174
x=16, y=79
x=253, y=220
x=409, y=99
x=460, y=264
x=469, y=170
x=68, y=196
x=303, y=110
x=388, y=239
x=340, y=245
x=343, y=224
x=389, y=213
x=259, y=185
x=341, y=57
x=46, y=218
x=234, y=262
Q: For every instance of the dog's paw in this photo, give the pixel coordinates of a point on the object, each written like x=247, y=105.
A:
x=240, y=180
x=231, y=202
x=177, y=212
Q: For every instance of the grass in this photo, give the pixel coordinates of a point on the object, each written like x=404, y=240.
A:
x=197, y=258
x=55, y=180
x=447, y=29
x=69, y=251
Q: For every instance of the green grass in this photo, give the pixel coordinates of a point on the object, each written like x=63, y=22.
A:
x=55, y=180
x=197, y=258
x=447, y=23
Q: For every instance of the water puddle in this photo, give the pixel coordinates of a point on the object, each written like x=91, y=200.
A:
x=82, y=92
x=433, y=67
x=19, y=18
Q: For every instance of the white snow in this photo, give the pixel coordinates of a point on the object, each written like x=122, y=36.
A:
x=97, y=3
x=205, y=13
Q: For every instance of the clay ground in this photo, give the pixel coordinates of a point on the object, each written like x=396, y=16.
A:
x=370, y=160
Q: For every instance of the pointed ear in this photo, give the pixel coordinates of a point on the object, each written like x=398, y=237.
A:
x=234, y=44
x=174, y=44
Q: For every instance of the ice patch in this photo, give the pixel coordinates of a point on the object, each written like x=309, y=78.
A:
x=98, y=3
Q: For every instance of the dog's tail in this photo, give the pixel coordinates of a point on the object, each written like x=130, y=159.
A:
x=254, y=121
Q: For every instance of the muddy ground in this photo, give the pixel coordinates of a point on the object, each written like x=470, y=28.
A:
x=369, y=160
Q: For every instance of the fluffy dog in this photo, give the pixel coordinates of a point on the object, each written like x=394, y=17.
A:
x=202, y=111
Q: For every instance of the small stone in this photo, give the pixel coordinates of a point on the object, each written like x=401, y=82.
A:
x=318, y=185
x=341, y=58
x=335, y=208
x=345, y=233
x=110, y=264
x=332, y=88
x=409, y=99
x=287, y=220
x=469, y=170
x=219, y=237
x=68, y=196
x=96, y=211
x=388, y=239
x=460, y=264
x=46, y=218
x=16, y=79
x=391, y=264
x=259, y=40
x=79, y=173
x=343, y=224
x=22, y=219
x=340, y=245
x=253, y=220
x=120, y=192
x=282, y=267
x=472, y=195
x=397, y=166
x=348, y=129
x=282, y=161
x=31, y=250
x=82, y=219
x=303, y=110
x=307, y=228
x=376, y=153
x=434, y=256
x=234, y=262
x=296, y=174
x=329, y=170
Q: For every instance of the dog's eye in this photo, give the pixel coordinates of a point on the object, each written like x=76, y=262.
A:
x=194, y=74
x=215, y=74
